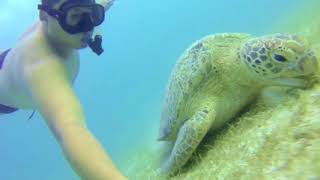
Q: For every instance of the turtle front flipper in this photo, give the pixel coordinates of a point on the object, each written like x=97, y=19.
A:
x=189, y=136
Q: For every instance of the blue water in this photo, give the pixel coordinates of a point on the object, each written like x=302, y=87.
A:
x=122, y=90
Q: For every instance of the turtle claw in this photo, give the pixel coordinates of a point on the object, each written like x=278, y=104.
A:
x=163, y=172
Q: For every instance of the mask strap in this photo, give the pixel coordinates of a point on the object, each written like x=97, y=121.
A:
x=51, y=12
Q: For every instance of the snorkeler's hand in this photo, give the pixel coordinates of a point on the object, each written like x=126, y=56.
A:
x=106, y=4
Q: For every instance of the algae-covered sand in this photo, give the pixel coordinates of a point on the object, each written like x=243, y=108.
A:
x=275, y=140
x=277, y=137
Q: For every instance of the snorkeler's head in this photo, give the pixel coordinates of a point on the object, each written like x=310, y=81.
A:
x=71, y=22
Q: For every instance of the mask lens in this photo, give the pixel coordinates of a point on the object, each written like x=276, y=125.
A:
x=75, y=15
x=97, y=14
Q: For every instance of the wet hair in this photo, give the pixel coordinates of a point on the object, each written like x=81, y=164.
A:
x=49, y=3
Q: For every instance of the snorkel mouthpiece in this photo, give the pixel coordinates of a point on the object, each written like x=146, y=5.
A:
x=96, y=45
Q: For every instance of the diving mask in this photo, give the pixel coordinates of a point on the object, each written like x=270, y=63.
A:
x=76, y=16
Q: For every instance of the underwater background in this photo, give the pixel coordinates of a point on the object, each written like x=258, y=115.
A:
x=122, y=90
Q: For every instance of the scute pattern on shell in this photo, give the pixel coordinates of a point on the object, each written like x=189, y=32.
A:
x=195, y=67
x=190, y=70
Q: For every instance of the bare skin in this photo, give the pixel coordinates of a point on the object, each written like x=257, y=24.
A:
x=38, y=73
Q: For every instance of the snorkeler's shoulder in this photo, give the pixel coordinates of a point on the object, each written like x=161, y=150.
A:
x=35, y=47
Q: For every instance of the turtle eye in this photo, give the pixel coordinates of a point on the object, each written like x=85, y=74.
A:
x=279, y=58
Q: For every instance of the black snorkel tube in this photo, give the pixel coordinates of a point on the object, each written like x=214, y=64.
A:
x=96, y=45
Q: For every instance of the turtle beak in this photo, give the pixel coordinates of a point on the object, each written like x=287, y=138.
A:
x=307, y=65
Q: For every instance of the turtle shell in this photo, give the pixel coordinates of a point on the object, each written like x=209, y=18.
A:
x=191, y=70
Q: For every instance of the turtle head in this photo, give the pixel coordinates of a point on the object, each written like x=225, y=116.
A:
x=280, y=59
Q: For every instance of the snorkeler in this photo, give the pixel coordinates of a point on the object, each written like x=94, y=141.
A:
x=39, y=71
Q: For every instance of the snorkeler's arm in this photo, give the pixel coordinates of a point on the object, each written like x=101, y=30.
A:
x=54, y=98
x=30, y=30
x=106, y=3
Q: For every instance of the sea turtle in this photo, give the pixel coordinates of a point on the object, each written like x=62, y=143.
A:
x=218, y=76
